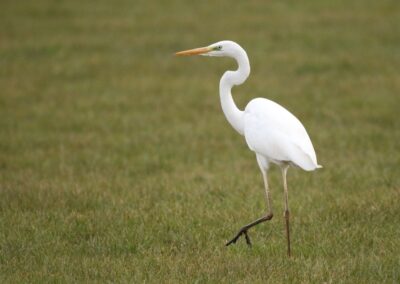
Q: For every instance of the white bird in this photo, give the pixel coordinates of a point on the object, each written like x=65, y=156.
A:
x=271, y=131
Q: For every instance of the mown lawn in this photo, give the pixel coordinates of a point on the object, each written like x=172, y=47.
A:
x=117, y=164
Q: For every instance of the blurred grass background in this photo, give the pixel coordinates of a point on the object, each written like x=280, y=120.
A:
x=117, y=164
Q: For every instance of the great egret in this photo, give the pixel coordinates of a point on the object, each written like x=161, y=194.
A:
x=272, y=132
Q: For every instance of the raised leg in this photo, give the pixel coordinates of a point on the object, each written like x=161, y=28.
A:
x=267, y=217
x=286, y=213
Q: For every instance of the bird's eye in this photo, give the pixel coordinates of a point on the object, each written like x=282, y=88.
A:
x=219, y=47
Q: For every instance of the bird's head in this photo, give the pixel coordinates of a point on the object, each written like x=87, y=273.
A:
x=222, y=48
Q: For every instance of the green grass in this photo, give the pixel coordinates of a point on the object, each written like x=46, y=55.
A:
x=117, y=164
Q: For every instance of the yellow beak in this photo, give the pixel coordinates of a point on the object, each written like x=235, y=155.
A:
x=195, y=51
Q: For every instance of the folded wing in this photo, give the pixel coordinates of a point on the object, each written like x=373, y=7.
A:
x=273, y=132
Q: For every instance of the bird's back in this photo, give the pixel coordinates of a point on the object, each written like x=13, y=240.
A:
x=273, y=132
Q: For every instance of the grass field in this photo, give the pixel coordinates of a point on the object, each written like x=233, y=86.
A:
x=117, y=163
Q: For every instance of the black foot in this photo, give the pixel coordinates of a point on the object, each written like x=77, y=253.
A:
x=244, y=229
x=241, y=232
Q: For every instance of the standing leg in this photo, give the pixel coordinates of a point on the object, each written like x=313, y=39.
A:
x=263, y=166
x=286, y=213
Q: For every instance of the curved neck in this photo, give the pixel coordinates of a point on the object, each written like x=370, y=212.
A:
x=228, y=80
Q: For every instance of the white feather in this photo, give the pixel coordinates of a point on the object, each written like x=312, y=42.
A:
x=276, y=134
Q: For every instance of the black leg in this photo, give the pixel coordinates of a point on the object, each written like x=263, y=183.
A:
x=244, y=229
x=287, y=232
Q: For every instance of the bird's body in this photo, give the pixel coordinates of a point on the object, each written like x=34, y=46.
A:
x=272, y=132
x=277, y=135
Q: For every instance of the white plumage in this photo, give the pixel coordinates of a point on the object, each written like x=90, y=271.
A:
x=271, y=131
x=277, y=135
